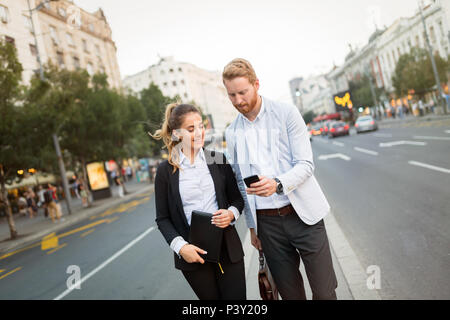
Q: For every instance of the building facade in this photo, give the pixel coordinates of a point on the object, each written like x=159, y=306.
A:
x=379, y=57
x=67, y=36
x=191, y=84
x=312, y=94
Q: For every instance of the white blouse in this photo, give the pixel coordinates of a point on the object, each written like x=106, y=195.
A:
x=196, y=191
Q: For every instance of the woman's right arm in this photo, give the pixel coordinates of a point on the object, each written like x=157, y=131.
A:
x=163, y=220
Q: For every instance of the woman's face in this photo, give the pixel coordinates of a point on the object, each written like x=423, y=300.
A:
x=192, y=132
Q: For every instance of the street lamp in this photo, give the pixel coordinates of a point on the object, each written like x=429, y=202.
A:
x=62, y=168
x=433, y=62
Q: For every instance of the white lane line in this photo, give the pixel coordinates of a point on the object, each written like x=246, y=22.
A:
x=398, y=143
x=383, y=135
x=374, y=153
x=340, y=144
x=336, y=155
x=104, y=264
x=429, y=166
x=431, y=138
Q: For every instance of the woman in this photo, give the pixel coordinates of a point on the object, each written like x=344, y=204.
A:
x=196, y=179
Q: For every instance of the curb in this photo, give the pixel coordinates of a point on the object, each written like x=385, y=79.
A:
x=353, y=271
x=70, y=220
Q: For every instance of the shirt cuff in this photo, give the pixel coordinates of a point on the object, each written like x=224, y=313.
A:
x=177, y=243
x=236, y=214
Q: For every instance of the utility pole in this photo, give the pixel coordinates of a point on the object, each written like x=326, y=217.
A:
x=433, y=62
x=62, y=168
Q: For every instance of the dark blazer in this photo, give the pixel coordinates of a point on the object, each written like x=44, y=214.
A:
x=170, y=216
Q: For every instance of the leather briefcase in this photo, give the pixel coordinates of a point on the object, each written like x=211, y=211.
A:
x=267, y=288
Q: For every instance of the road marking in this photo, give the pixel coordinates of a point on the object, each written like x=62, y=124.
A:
x=447, y=131
x=431, y=138
x=383, y=135
x=87, y=232
x=49, y=242
x=2, y=270
x=374, y=153
x=104, y=264
x=112, y=219
x=57, y=248
x=83, y=228
x=397, y=143
x=6, y=255
x=429, y=166
x=340, y=144
x=9, y=273
x=336, y=155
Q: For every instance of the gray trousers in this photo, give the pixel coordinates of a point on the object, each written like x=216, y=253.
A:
x=284, y=241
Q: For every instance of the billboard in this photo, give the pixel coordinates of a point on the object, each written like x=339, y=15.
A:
x=97, y=176
x=343, y=101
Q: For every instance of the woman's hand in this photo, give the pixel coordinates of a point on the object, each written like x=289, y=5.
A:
x=222, y=218
x=190, y=254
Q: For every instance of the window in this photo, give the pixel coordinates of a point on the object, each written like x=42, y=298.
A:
x=97, y=50
x=76, y=63
x=85, y=45
x=441, y=28
x=179, y=69
x=90, y=68
x=62, y=12
x=54, y=35
x=174, y=83
x=10, y=40
x=60, y=58
x=102, y=70
x=171, y=70
x=28, y=23
x=33, y=50
x=91, y=27
x=417, y=41
x=182, y=81
x=432, y=35
x=165, y=84
x=4, y=14
x=70, y=39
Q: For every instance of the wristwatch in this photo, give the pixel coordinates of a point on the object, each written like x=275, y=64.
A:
x=279, y=186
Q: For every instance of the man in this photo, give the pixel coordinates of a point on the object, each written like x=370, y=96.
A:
x=285, y=209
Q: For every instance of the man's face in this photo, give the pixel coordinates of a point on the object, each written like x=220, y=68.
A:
x=243, y=94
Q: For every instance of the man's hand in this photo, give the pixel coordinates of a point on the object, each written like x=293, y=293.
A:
x=265, y=187
x=190, y=254
x=255, y=240
x=222, y=218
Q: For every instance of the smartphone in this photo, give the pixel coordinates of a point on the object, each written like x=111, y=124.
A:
x=250, y=180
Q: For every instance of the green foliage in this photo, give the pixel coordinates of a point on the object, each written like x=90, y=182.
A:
x=414, y=72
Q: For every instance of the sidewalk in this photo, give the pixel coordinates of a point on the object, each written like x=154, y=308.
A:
x=34, y=229
x=387, y=122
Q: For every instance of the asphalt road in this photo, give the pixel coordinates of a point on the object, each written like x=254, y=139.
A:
x=390, y=193
x=120, y=255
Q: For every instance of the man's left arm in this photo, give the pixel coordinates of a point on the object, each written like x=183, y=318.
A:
x=300, y=148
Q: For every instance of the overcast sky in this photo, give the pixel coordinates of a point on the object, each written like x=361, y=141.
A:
x=283, y=39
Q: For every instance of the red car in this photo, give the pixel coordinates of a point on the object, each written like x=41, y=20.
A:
x=338, y=129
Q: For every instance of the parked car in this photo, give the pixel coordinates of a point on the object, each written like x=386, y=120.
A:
x=327, y=126
x=338, y=129
x=365, y=123
x=316, y=130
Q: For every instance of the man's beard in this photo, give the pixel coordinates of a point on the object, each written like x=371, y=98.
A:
x=248, y=106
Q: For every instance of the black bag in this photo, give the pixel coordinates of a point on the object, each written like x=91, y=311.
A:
x=267, y=287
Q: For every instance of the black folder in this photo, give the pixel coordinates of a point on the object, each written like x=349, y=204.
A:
x=205, y=235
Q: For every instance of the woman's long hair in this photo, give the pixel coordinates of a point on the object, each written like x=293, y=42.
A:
x=173, y=119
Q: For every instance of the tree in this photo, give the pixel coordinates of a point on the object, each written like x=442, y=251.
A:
x=11, y=138
x=414, y=72
x=154, y=103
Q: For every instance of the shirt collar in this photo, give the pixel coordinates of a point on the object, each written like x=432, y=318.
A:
x=260, y=114
x=184, y=161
